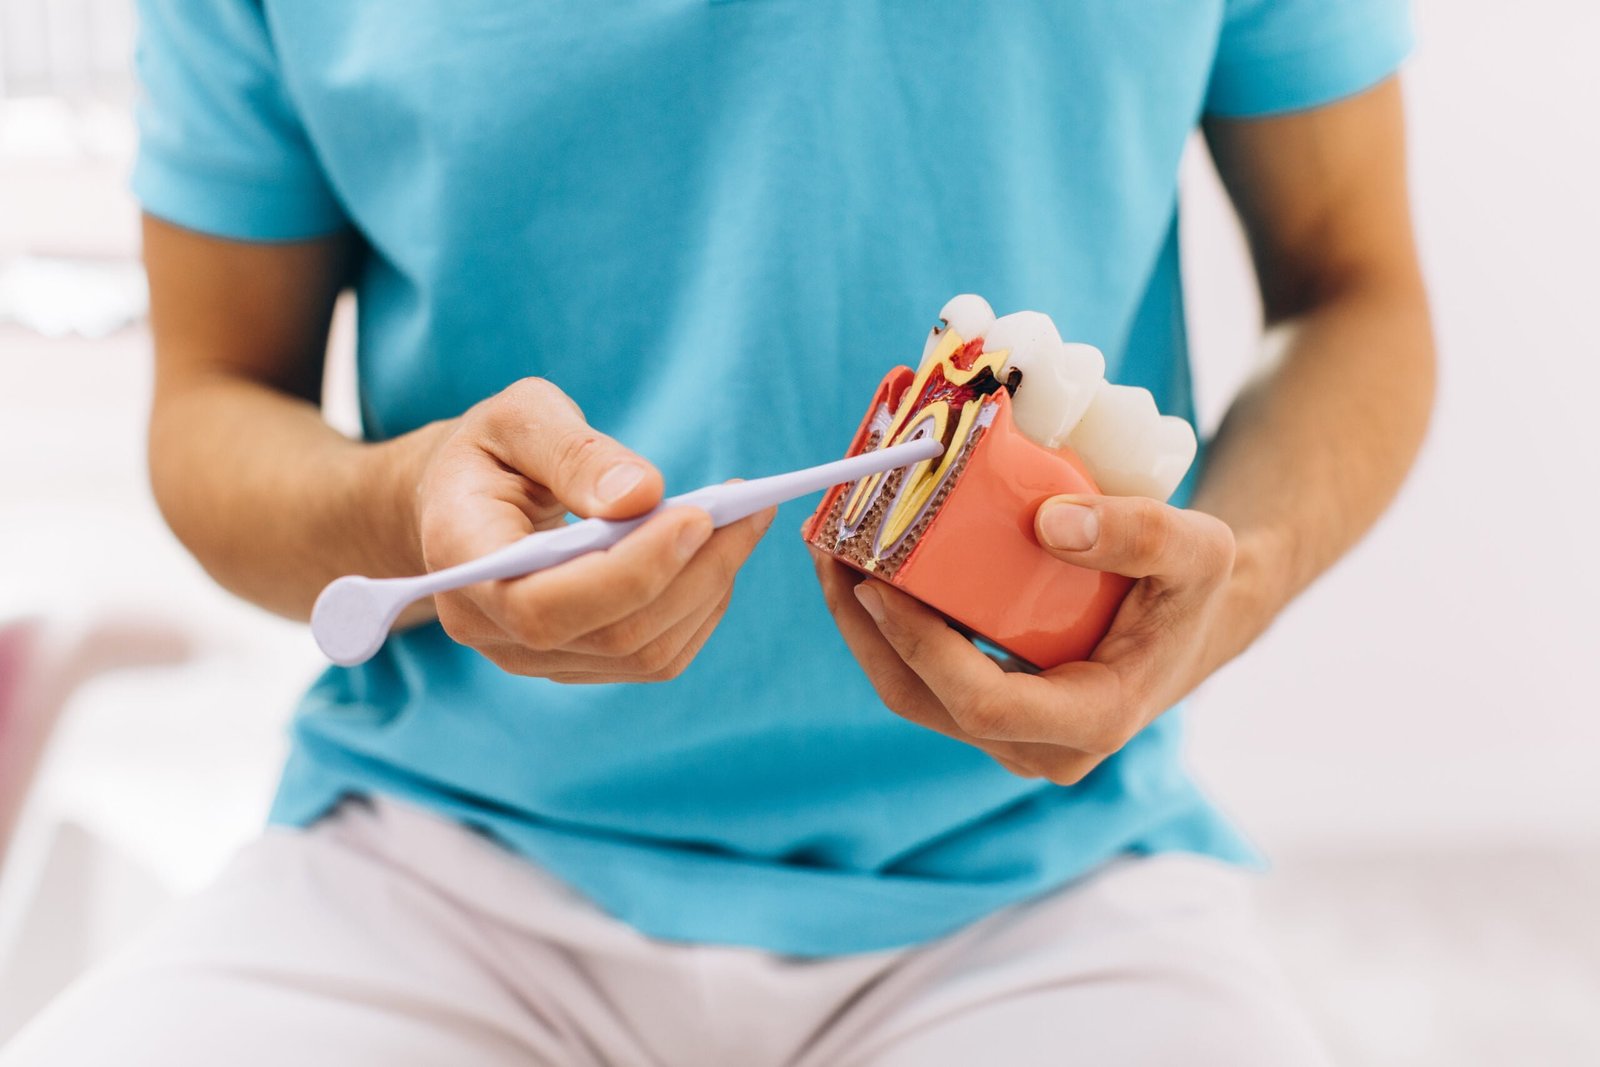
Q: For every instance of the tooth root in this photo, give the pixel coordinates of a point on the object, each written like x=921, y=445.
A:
x=1130, y=447
x=968, y=315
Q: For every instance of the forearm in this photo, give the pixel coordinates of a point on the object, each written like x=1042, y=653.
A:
x=1314, y=449
x=272, y=501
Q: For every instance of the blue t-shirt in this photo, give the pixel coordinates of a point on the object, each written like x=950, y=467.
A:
x=716, y=223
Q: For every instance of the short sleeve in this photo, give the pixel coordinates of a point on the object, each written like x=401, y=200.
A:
x=221, y=147
x=1287, y=55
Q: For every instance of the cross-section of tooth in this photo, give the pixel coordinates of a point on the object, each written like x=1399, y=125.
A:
x=968, y=315
x=1130, y=447
x=1058, y=384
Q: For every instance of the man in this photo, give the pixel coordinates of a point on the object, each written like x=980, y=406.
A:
x=601, y=248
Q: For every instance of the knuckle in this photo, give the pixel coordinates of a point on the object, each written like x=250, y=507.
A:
x=1068, y=771
x=898, y=696
x=534, y=391
x=532, y=638
x=457, y=621
x=577, y=448
x=674, y=669
x=1217, y=550
x=1151, y=532
x=1105, y=741
x=635, y=585
x=981, y=716
x=514, y=403
x=525, y=629
x=629, y=636
x=655, y=656
x=1019, y=766
x=620, y=640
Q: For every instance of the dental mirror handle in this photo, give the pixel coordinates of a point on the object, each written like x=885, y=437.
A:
x=353, y=614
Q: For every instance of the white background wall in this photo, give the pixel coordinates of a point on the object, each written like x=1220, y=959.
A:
x=1444, y=680
x=1413, y=727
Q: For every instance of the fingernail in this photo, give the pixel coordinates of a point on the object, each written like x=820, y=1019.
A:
x=615, y=483
x=692, y=537
x=872, y=600
x=1070, y=527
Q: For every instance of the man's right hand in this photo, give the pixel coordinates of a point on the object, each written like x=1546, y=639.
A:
x=276, y=504
x=636, y=612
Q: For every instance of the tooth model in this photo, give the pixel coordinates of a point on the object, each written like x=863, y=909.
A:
x=1023, y=416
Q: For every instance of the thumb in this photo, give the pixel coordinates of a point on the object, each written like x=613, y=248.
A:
x=1136, y=537
x=536, y=430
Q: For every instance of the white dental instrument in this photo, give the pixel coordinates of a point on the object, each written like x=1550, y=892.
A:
x=353, y=615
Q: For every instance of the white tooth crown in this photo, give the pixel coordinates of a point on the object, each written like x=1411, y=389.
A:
x=1058, y=379
x=1031, y=344
x=1063, y=399
x=968, y=315
x=1131, y=448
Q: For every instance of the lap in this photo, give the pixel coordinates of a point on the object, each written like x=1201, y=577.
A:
x=1151, y=962
x=387, y=936
x=304, y=952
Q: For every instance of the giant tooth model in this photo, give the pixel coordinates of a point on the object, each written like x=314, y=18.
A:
x=1023, y=417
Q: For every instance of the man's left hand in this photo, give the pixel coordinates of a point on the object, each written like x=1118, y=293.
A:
x=1061, y=723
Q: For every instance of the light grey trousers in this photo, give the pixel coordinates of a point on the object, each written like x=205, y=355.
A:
x=388, y=936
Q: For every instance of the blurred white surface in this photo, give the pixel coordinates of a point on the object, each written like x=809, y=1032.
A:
x=1413, y=743
x=1442, y=684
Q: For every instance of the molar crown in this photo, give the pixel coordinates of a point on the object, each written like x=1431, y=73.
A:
x=1063, y=399
x=968, y=315
x=1059, y=380
x=1131, y=448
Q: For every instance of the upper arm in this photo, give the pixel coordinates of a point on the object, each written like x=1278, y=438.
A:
x=1323, y=198
x=246, y=243
x=243, y=309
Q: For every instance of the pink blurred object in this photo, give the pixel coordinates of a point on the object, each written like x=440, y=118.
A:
x=42, y=663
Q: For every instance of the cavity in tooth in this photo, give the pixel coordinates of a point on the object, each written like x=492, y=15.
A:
x=1130, y=447
x=968, y=315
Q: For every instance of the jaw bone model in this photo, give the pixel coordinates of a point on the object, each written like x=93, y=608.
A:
x=1023, y=416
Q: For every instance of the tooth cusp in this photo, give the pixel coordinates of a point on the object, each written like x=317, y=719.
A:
x=1058, y=380
x=968, y=315
x=1130, y=447
x=1055, y=389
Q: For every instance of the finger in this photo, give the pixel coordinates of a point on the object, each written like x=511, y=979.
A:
x=464, y=621
x=896, y=684
x=536, y=430
x=657, y=661
x=546, y=610
x=673, y=667
x=968, y=684
x=706, y=579
x=473, y=506
x=691, y=647
x=1136, y=537
x=981, y=697
x=900, y=688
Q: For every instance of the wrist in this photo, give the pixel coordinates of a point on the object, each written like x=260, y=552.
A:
x=390, y=479
x=1257, y=588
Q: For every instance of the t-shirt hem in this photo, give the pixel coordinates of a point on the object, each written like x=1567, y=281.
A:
x=844, y=913
x=1297, y=80
x=232, y=204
